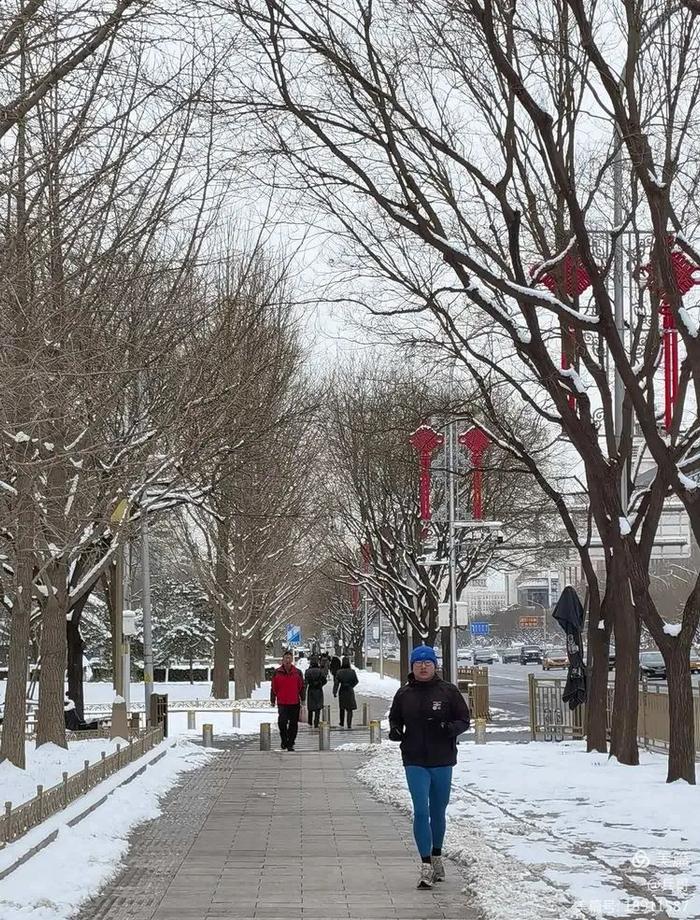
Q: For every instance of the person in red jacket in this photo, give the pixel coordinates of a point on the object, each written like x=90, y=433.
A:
x=287, y=691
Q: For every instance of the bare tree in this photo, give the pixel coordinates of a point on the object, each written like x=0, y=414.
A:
x=375, y=102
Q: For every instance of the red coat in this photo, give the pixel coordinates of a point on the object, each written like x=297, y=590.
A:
x=287, y=688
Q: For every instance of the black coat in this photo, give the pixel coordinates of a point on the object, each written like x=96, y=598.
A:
x=428, y=716
x=315, y=679
x=334, y=665
x=345, y=680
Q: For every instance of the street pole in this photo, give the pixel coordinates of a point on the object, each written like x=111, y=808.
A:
x=126, y=643
x=618, y=300
x=364, y=605
x=381, y=646
x=452, y=550
x=146, y=604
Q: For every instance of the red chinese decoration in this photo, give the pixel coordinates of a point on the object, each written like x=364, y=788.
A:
x=366, y=553
x=685, y=274
x=476, y=443
x=572, y=278
x=426, y=441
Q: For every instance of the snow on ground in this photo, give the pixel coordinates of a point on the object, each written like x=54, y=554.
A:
x=550, y=831
x=54, y=882
x=46, y=764
x=221, y=722
x=371, y=684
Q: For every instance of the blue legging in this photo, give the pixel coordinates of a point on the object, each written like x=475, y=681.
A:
x=430, y=791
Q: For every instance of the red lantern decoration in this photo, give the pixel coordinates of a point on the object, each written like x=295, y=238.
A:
x=476, y=443
x=572, y=278
x=426, y=441
x=685, y=274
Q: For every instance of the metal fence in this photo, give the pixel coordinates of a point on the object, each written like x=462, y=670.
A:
x=47, y=802
x=552, y=720
x=475, y=683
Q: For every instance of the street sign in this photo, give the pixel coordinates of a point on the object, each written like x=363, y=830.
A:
x=293, y=635
x=530, y=622
x=480, y=629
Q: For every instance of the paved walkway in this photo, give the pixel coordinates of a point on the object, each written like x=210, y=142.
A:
x=276, y=835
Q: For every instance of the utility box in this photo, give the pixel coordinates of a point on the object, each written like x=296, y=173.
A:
x=129, y=622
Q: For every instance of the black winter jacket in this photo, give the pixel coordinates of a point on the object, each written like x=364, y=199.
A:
x=427, y=716
x=343, y=687
x=315, y=679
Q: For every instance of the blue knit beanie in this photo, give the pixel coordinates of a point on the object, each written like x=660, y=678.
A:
x=423, y=653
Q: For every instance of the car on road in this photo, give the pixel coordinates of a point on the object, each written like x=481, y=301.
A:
x=530, y=653
x=511, y=654
x=695, y=660
x=554, y=658
x=651, y=665
x=485, y=656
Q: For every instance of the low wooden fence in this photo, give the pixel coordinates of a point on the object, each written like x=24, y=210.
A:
x=392, y=667
x=18, y=821
x=552, y=720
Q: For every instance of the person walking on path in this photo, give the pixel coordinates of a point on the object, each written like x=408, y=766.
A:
x=343, y=687
x=334, y=666
x=287, y=692
x=315, y=679
x=426, y=716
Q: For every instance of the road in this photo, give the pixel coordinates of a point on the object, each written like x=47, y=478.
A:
x=508, y=688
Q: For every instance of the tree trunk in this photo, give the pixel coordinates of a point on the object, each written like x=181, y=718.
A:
x=191, y=663
x=222, y=617
x=597, y=701
x=357, y=656
x=404, y=655
x=222, y=652
x=50, y=721
x=623, y=736
x=14, y=721
x=75, y=648
x=681, y=749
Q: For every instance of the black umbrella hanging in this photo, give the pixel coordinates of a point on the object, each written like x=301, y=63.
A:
x=569, y=614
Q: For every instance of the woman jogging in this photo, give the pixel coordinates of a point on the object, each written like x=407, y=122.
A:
x=344, y=688
x=426, y=716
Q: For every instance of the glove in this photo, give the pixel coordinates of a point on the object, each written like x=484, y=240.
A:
x=448, y=728
x=395, y=734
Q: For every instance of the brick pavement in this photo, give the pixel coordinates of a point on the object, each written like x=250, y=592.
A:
x=276, y=835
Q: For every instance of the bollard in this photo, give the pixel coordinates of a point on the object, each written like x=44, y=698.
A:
x=480, y=730
x=208, y=735
x=365, y=714
x=236, y=718
x=264, y=736
x=191, y=719
x=324, y=736
x=375, y=732
x=327, y=715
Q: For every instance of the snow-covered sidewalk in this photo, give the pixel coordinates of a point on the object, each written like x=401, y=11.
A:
x=551, y=831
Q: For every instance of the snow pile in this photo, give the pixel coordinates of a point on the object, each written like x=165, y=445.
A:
x=371, y=684
x=54, y=882
x=45, y=766
x=550, y=831
x=672, y=629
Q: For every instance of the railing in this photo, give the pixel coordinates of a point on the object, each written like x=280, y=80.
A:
x=552, y=720
x=392, y=667
x=18, y=821
x=475, y=683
